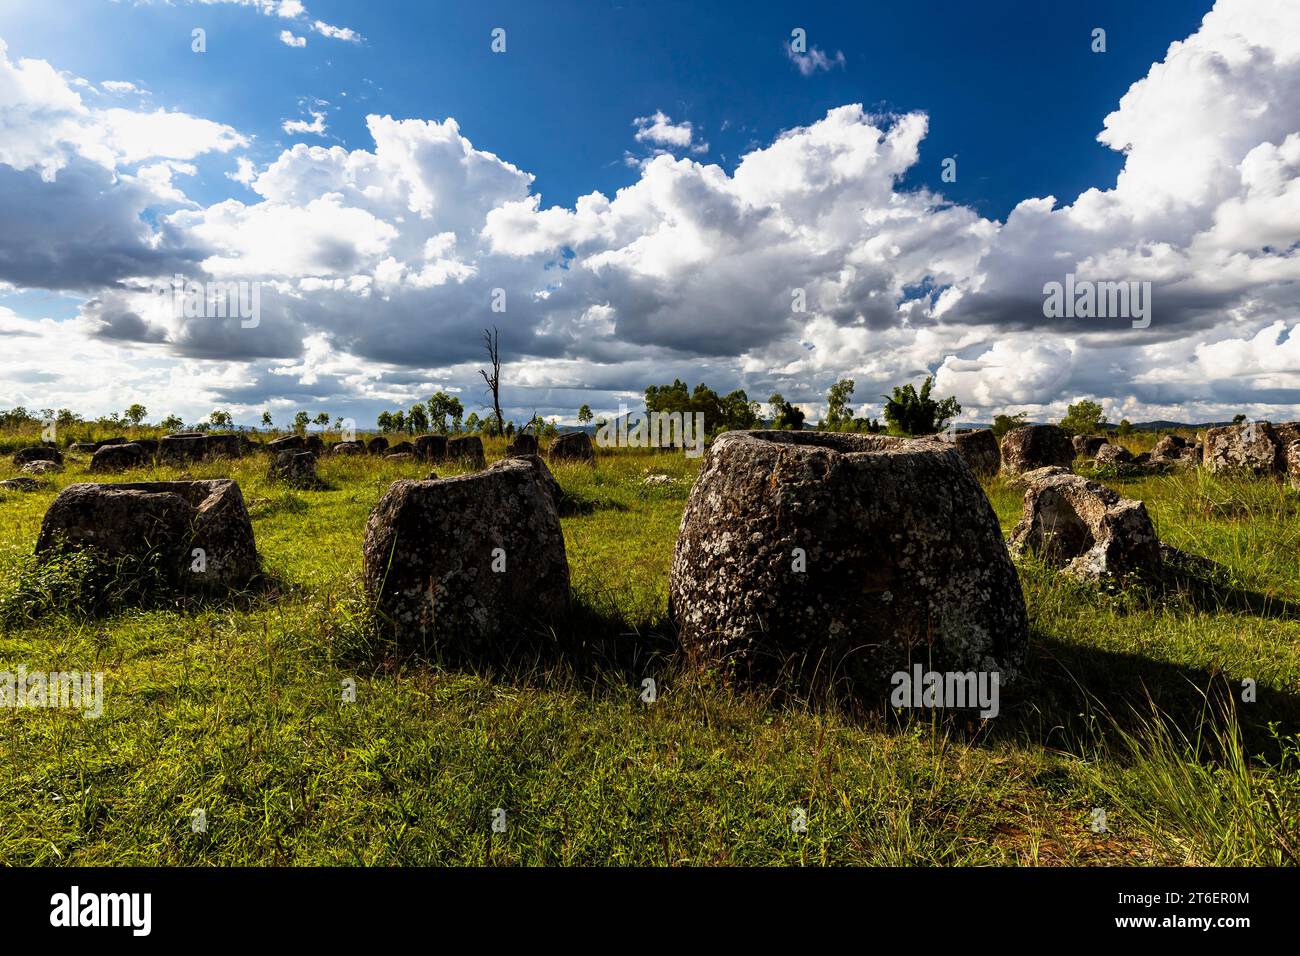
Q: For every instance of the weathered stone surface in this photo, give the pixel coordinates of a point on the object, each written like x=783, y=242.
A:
x=287, y=443
x=1035, y=446
x=120, y=458
x=401, y=456
x=1170, y=446
x=377, y=445
x=23, y=484
x=150, y=445
x=1250, y=448
x=848, y=553
x=37, y=453
x=41, y=468
x=402, y=448
x=90, y=447
x=165, y=520
x=1293, y=464
x=431, y=448
x=564, y=504
x=1176, y=451
x=182, y=448
x=1087, y=529
x=979, y=449
x=295, y=468
x=467, y=450
x=1286, y=433
x=1086, y=446
x=348, y=448
x=468, y=562
x=572, y=446
x=522, y=445
x=223, y=446
x=1026, y=478
x=314, y=444
x=1109, y=454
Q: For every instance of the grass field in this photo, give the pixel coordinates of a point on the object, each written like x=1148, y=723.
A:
x=1132, y=706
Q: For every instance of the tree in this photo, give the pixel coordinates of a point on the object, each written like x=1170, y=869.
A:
x=172, y=423
x=839, y=415
x=385, y=421
x=220, y=419
x=300, y=422
x=441, y=407
x=399, y=421
x=472, y=423
x=738, y=412
x=15, y=416
x=1125, y=427
x=417, y=419
x=669, y=398
x=136, y=413
x=322, y=419
x=584, y=414
x=267, y=421
x=1238, y=419
x=1005, y=423
x=491, y=342
x=916, y=413
x=785, y=415
x=1084, y=418
x=721, y=413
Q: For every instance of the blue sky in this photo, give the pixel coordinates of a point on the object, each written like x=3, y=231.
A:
x=1013, y=89
x=378, y=289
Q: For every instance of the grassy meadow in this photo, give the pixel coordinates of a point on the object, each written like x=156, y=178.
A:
x=1132, y=706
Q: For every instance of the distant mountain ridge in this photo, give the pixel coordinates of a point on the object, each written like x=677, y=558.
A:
x=1160, y=425
x=1136, y=426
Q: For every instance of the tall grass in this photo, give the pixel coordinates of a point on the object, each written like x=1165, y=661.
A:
x=1132, y=704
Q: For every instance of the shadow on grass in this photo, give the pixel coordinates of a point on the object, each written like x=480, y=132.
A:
x=579, y=504
x=1068, y=697
x=1070, y=690
x=585, y=648
x=1208, y=586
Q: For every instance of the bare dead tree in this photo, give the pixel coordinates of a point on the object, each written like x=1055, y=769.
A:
x=491, y=342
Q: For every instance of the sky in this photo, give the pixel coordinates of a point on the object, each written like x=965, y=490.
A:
x=760, y=196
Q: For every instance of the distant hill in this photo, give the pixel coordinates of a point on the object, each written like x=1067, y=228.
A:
x=1137, y=426
x=975, y=426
